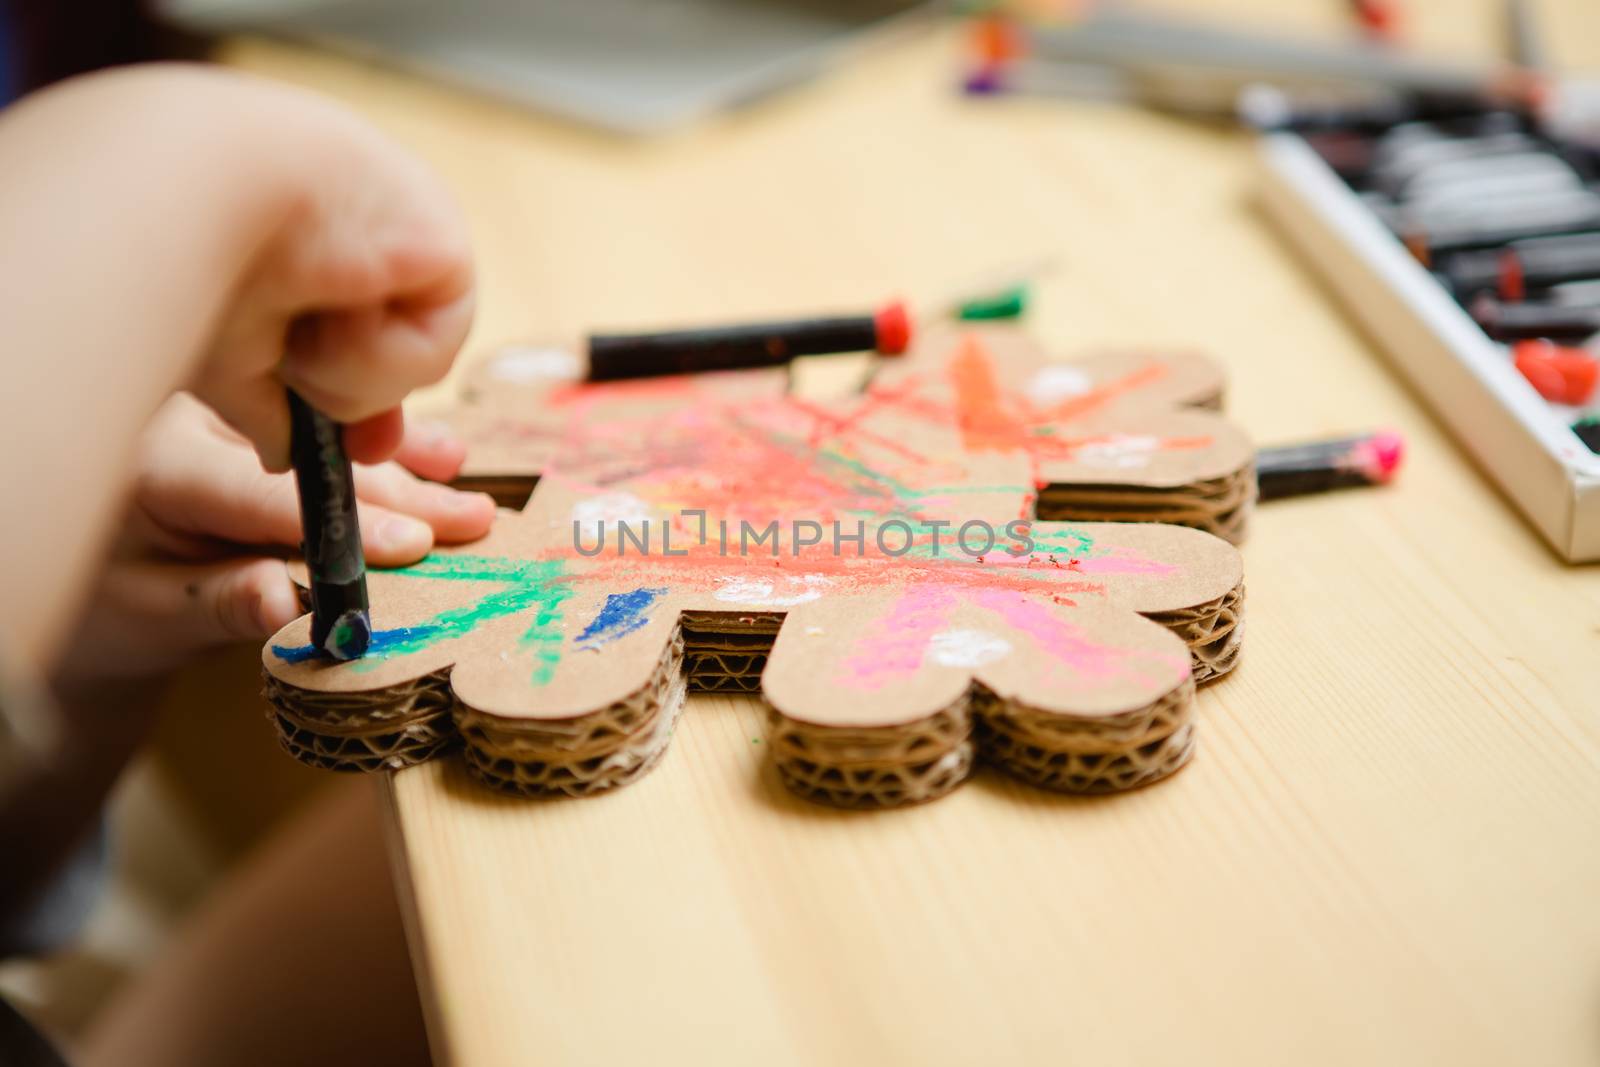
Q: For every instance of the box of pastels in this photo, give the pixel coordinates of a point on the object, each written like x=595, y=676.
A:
x=1469, y=246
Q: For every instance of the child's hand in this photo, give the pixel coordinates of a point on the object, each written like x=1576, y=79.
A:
x=361, y=292
x=195, y=566
x=173, y=226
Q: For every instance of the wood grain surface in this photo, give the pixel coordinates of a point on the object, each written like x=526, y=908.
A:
x=1388, y=848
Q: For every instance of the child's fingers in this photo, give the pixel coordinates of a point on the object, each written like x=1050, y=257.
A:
x=355, y=363
x=260, y=411
x=149, y=617
x=431, y=450
x=390, y=539
x=198, y=483
x=452, y=516
x=376, y=439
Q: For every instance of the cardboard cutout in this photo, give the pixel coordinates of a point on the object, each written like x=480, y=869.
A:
x=875, y=568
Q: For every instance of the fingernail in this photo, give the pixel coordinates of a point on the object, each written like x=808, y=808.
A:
x=398, y=533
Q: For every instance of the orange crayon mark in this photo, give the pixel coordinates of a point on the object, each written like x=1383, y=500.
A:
x=1100, y=396
x=981, y=413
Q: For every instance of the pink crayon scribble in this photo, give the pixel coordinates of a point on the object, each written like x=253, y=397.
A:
x=894, y=648
x=1053, y=635
x=1123, y=562
x=1065, y=643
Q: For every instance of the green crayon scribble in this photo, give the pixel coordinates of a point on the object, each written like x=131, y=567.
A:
x=539, y=585
x=1071, y=542
x=545, y=635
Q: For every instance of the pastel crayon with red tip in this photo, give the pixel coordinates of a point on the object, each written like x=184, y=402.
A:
x=1560, y=375
x=1524, y=266
x=1317, y=466
x=615, y=356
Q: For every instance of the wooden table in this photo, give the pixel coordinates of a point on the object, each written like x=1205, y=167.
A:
x=1388, y=849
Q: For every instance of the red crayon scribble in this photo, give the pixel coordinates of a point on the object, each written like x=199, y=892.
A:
x=767, y=458
x=1079, y=406
x=829, y=427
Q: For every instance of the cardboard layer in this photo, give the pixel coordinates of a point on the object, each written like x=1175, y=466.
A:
x=877, y=560
x=556, y=637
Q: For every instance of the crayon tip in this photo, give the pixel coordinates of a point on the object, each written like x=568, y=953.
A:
x=1379, y=456
x=1005, y=304
x=985, y=81
x=350, y=636
x=996, y=39
x=1380, y=19
x=893, y=326
x=1513, y=282
x=1561, y=375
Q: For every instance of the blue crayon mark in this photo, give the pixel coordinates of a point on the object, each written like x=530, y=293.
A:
x=622, y=614
x=383, y=641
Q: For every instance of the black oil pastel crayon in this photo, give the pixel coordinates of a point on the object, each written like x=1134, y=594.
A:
x=1317, y=466
x=1268, y=108
x=1563, y=323
x=1440, y=241
x=1524, y=265
x=763, y=344
x=341, y=623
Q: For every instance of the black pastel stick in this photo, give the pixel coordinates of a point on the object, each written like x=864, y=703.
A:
x=1269, y=109
x=1524, y=321
x=1536, y=263
x=340, y=623
x=766, y=344
x=1370, y=459
x=1440, y=242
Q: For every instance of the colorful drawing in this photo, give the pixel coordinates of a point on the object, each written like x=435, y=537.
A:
x=892, y=572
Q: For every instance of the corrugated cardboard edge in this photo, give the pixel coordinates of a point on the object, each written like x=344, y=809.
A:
x=857, y=767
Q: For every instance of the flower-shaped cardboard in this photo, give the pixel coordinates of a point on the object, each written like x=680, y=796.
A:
x=876, y=563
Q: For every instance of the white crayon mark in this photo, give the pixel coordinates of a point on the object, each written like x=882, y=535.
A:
x=966, y=648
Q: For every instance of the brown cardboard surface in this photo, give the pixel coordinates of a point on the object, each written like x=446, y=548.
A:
x=561, y=617
x=1108, y=418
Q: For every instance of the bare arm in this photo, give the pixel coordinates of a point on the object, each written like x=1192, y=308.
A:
x=167, y=226
x=120, y=252
x=170, y=227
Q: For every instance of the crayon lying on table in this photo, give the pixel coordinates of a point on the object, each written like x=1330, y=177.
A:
x=763, y=344
x=341, y=625
x=1291, y=470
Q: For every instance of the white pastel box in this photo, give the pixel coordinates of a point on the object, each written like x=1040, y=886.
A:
x=1512, y=432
